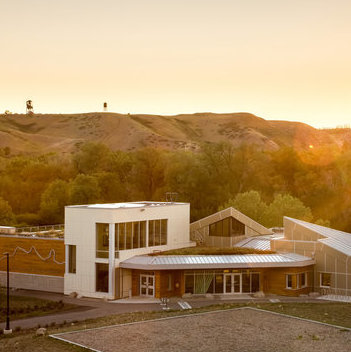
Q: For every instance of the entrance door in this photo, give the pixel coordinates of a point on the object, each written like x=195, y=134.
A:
x=147, y=285
x=232, y=283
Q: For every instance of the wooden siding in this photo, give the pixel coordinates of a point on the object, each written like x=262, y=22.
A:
x=272, y=280
x=31, y=263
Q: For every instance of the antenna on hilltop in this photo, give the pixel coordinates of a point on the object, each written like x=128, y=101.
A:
x=29, y=107
x=105, y=106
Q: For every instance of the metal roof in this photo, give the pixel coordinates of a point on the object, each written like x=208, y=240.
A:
x=337, y=245
x=259, y=242
x=256, y=243
x=336, y=239
x=166, y=262
x=125, y=205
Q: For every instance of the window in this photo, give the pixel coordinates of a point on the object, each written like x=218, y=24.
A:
x=121, y=236
x=170, y=282
x=136, y=235
x=255, y=282
x=130, y=235
x=189, y=283
x=72, y=259
x=158, y=232
x=102, y=240
x=164, y=231
x=289, y=281
x=101, y=277
x=325, y=279
x=213, y=281
x=302, y=280
x=143, y=234
x=227, y=227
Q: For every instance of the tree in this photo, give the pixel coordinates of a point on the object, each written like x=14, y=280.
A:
x=285, y=205
x=249, y=203
x=7, y=217
x=84, y=189
x=112, y=190
x=321, y=222
x=53, y=201
x=148, y=173
x=92, y=158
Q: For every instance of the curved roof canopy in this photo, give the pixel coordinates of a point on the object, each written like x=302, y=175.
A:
x=174, y=262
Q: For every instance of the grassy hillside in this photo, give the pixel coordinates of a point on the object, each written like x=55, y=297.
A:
x=64, y=133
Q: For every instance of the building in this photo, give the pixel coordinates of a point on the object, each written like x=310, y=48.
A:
x=99, y=237
x=120, y=250
x=115, y=251
x=331, y=250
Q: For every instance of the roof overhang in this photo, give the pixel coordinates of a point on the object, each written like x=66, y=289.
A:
x=204, y=262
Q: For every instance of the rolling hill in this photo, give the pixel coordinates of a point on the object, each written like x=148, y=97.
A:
x=64, y=133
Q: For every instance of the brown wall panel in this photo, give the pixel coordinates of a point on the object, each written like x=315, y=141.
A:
x=31, y=263
x=275, y=281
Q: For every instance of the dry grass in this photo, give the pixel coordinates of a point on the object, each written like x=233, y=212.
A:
x=63, y=132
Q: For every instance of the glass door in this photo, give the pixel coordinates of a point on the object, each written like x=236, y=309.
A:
x=232, y=283
x=147, y=285
x=236, y=279
x=227, y=283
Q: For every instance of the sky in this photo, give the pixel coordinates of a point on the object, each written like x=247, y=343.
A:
x=278, y=59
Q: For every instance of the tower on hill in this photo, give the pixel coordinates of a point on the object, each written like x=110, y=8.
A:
x=29, y=107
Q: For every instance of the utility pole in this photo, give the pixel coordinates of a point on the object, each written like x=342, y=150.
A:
x=7, y=329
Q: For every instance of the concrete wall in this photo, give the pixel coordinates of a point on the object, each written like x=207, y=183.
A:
x=80, y=230
x=33, y=282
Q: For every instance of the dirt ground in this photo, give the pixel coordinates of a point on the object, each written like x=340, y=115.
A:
x=232, y=330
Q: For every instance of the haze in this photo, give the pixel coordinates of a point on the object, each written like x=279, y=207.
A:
x=285, y=60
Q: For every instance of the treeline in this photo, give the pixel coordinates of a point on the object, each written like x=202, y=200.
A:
x=313, y=185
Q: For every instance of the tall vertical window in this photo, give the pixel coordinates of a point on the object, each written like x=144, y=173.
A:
x=101, y=277
x=302, y=280
x=142, y=234
x=129, y=235
x=289, y=281
x=164, y=231
x=102, y=240
x=72, y=259
x=158, y=232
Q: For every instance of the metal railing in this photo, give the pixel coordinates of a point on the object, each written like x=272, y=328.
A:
x=36, y=229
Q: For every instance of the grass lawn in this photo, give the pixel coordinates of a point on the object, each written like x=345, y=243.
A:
x=25, y=307
x=26, y=341
x=211, y=250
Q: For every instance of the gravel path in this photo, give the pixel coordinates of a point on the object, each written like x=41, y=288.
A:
x=232, y=330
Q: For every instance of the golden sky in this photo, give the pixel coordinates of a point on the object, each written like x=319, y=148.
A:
x=278, y=59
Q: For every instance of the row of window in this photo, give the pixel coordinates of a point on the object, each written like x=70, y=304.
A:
x=216, y=282
x=296, y=281
x=131, y=235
